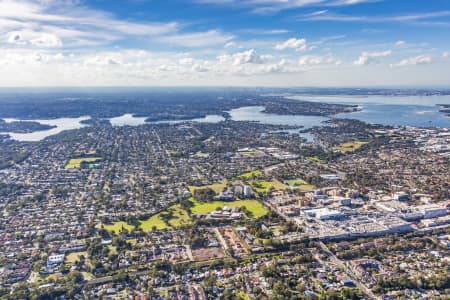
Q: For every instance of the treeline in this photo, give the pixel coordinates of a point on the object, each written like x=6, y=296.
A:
x=204, y=195
x=439, y=281
x=9, y=159
x=7, y=190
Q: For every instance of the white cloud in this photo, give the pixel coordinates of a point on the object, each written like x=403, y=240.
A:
x=275, y=31
x=230, y=45
x=266, y=31
x=61, y=42
x=199, y=68
x=293, y=43
x=399, y=43
x=46, y=40
x=32, y=38
x=272, y=6
x=23, y=58
x=416, y=60
x=165, y=68
x=16, y=38
x=242, y=58
x=102, y=61
x=127, y=67
x=351, y=2
x=404, y=18
x=197, y=39
x=57, y=22
x=186, y=61
x=367, y=58
x=314, y=60
x=248, y=63
x=69, y=14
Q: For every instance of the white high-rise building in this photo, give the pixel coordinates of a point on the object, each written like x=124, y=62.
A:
x=248, y=192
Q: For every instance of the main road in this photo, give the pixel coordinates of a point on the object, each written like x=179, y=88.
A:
x=349, y=272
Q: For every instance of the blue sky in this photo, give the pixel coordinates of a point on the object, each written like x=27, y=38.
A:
x=225, y=43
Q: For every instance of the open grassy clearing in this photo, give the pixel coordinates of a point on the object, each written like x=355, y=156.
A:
x=117, y=227
x=112, y=249
x=277, y=230
x=243, y=296
x=300, y=184
x=180, y=217
x=73, y=257
x=217, y=187
x=261, y=186
x=132, y=241
x=254, y=206
x=307, y=187
x=250, y=175
x=316, y=159
x=146, y=225
x=265, y=186
x=252, y=153
x=278, y=185
x=75, y=163
x=351, y=146
x=154, y=221
x=87, y=276
x=295, y=182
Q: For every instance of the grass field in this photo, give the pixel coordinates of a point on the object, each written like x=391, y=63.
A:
x=112, y=249
x=250, y=153
x=217, y=187
x=87, y=276
x=351, y=146
x=295, y=182
x=265, y=186
x=307, y=187
x=278, y=185
x=250, y=175
x=243, y=296
x=132, y=241
x=316, y=159
x=254, y=206
x=147, y=225
x=75, y=163
x=180, y=217
x=73, y=257
x=116, y=227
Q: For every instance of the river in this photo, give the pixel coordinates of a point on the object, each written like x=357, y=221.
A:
x=386, y=110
